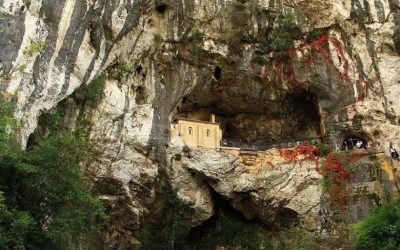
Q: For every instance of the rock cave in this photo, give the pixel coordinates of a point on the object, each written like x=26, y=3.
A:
x=253, y=117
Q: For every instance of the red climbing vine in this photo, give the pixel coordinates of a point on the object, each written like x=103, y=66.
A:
x=305, y=55
x=337, y=181
x=337, y=171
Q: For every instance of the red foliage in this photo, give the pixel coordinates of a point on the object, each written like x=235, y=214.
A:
x=321, y=45
x=339, y=177
x=308, y=153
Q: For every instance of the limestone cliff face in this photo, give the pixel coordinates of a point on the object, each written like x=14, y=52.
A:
x=185, y=56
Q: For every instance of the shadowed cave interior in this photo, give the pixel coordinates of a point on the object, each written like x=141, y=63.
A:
x=252, y=119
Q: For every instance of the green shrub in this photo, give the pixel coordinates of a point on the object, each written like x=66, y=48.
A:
x=195, y=47
x=22, y=67
x=326, y=182
x=8, y=126
x=282, y=36
x=120, y=69
x=379, y=231
x=197, y=36
x=35, y=47
x=94, y=93
x=124, y=69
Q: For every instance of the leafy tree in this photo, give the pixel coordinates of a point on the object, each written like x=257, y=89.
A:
x=44, y=203
x=60, y=202
x=14, y=226
x=381, y=230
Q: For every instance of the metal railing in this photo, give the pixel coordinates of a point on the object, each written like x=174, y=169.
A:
x=262, y=145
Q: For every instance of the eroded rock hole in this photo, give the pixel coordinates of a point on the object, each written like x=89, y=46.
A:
x=139, y=69
x=286, y=217
x=218, y=73
x=140, y=95
x=161, y=7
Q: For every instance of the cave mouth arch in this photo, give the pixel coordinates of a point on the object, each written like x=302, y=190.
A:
x=350, y=142
x=253, y=118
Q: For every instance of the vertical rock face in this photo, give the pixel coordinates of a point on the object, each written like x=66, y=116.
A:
x=183, y=56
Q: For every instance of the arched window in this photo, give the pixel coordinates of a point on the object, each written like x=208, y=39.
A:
x=208, y=133
x=190, y=130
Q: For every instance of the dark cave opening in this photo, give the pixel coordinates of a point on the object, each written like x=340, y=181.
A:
x=140, y=95
x=296, y=116
x=217, y=73
x=227, y=226
x=230, y=227
x=161, y=7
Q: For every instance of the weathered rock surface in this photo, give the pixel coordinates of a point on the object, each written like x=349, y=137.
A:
x=347, y=56
x=284, y=193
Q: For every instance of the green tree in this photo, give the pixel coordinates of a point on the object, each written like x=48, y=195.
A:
x=60, y=201
x=381, y=230
x=44, y=203
x=14, y=226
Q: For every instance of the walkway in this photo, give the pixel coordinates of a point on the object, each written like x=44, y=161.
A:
x=263, y=146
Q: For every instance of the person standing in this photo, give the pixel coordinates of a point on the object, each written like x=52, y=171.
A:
x=392, y=152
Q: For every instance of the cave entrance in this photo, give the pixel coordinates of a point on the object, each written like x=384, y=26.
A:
x=227, y=226
x=254, y=119
x=351, y=142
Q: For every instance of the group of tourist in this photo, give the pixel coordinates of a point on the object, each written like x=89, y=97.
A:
x=352, y=143
x=349, y=145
